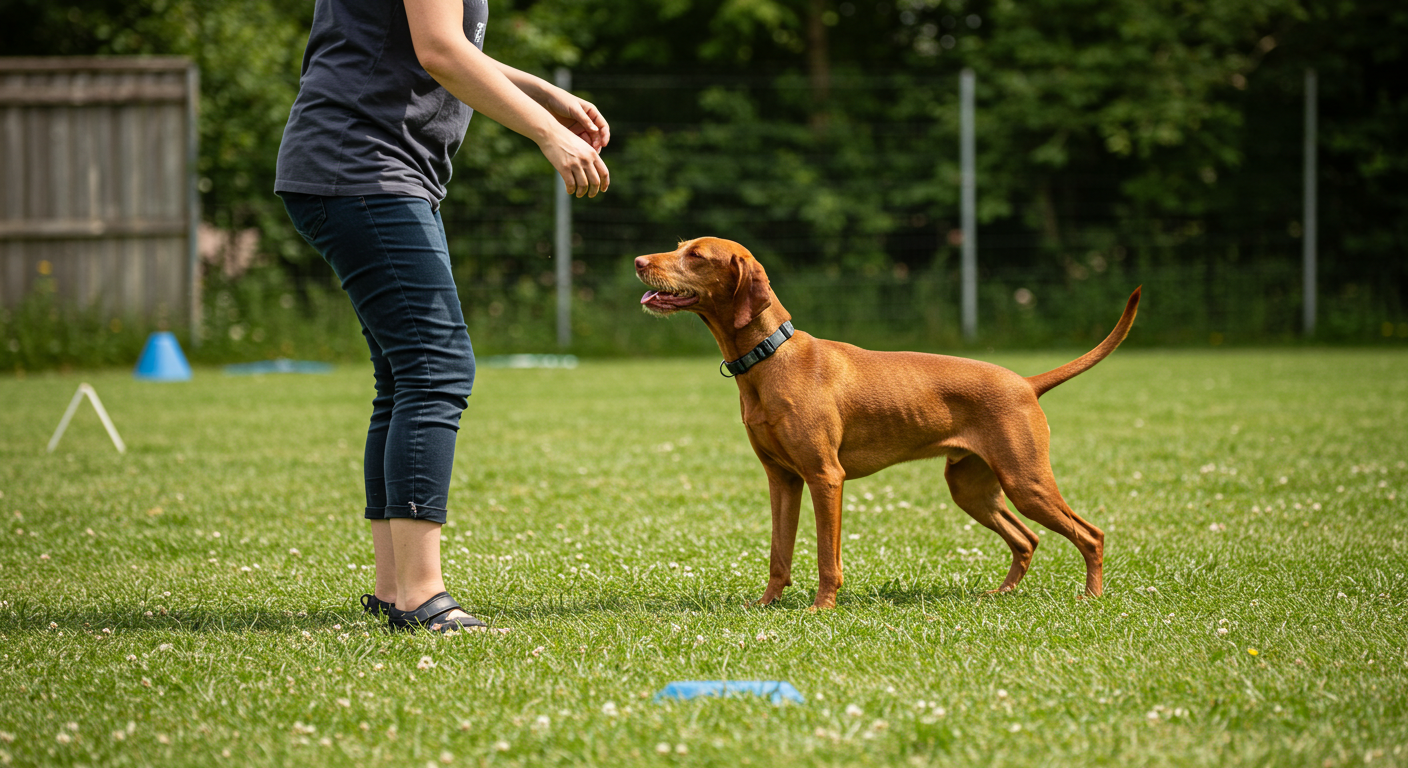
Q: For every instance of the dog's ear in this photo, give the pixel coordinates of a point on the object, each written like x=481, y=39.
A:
x=752, y=295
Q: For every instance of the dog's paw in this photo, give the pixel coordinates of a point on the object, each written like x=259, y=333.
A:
x=822, y=605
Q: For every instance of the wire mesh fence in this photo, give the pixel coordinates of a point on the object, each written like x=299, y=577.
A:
x=858, y=226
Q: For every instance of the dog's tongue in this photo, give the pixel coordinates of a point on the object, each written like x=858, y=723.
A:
x=648, y=296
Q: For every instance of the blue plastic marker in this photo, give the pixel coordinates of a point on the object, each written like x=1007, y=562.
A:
x=280, y=365
x=776, y=690
x=162, y=360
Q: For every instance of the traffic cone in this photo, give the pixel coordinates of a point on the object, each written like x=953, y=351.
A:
x=162, y=360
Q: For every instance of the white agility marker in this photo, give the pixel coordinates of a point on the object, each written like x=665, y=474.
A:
x=86, y=389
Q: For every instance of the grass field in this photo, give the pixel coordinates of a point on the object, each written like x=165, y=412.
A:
x=194, y=601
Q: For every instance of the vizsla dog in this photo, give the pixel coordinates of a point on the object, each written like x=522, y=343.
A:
x=822, y=412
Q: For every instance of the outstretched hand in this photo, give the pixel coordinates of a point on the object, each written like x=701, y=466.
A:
x=578, y=162
x=579, y=116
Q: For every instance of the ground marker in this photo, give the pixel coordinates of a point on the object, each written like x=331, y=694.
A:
x=162, y=360
x=87, y=389
x=776, y=690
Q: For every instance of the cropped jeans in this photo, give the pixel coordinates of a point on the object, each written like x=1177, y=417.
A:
x=391, y=255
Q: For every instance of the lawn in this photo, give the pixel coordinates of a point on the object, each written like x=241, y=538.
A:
x=194, y=601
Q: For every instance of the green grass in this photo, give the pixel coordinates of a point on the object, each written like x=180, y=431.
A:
x=615, y=518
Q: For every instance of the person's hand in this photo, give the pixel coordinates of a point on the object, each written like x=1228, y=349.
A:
x=577, y=162
x=578, y=116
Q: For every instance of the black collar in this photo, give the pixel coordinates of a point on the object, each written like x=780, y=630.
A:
x=760, y=353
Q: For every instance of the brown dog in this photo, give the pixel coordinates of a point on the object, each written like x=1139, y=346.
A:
x=821, y=412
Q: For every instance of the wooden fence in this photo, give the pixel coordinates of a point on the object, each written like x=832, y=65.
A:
x=97, y=187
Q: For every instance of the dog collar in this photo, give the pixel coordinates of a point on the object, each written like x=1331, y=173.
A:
x=763, y=351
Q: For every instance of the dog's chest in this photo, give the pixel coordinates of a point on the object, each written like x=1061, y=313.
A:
x=776, y=426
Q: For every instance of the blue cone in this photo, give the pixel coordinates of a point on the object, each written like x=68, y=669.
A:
x=162, y=360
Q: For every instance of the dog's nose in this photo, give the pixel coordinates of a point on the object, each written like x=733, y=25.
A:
x=641, y=263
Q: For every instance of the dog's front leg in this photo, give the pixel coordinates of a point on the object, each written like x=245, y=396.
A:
x=826, y=500
x=785, y=493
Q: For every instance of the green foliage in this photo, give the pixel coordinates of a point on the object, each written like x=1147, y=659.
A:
x=823, y=135
x=1251, y=501
x=262, y=316
x=42, y=333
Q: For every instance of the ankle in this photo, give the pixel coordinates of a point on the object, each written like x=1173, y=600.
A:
x=413, y=598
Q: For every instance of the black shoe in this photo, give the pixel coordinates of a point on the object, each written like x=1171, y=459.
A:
x=427, y=616
x=375, y=607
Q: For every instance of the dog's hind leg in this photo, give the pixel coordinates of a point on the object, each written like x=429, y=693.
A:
x=976, y=491
x=1036, y=496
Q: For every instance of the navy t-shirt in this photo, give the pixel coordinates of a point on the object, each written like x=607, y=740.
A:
x=368, y=118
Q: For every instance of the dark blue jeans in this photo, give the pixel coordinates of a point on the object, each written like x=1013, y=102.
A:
x=390, y=253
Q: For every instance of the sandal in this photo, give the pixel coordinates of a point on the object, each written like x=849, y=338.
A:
x=375, y=607
x=427, y=616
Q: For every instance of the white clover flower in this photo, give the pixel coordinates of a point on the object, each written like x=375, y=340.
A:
x=609, y=709
x=425, y=663
x=662, y=748
x=853, y=711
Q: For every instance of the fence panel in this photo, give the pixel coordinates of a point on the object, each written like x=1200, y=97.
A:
x=96, y=187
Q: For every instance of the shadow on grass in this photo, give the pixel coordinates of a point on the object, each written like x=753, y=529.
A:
x=708, y=601
x=27, y=615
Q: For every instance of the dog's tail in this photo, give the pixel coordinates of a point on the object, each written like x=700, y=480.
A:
x=1045, y=382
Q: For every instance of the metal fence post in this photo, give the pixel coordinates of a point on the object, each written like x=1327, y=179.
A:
x=562, y=77
x=969, y=205
x=1308, y=226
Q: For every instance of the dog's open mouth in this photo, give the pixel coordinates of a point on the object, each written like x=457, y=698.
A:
x=665, y=301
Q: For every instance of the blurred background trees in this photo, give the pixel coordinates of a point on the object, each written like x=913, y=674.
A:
x=1118, y=140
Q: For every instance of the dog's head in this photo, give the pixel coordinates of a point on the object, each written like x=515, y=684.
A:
x=714, y=278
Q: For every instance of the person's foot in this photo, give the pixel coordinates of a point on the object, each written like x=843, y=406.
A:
x=439, y=614
x=375, y=606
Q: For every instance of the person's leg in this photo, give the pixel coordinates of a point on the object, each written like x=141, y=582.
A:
x=391, y=256
x=416, y=546
x=309, y=214
x=374, y=472
x=385, y=555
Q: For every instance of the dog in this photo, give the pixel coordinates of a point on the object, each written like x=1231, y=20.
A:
x=821, y=412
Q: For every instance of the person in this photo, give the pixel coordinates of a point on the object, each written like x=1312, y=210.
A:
x=385, y=96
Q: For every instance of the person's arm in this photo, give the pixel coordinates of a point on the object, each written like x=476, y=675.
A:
x=580, y=116
x=437, y=33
